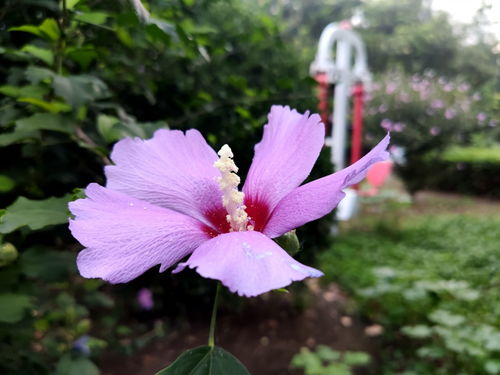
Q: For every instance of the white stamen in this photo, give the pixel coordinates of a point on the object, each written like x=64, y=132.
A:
x=232, y=199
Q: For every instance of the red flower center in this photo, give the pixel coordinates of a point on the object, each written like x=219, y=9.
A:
x=258, y=212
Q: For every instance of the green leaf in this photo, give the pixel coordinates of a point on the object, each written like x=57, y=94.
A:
x=492, y=366
x=35, y=214
x=78, y=90
x=13, y=307
x=356, y=358
x=419, y=331
x=107, y=129
x=47, y=265
x=70, y=4
x=44, y=121
x=6, y=183
x=53, y=106
x=48, y=29
x=94, y=18
x=446, y=318
x=15, y=137
x=31, y=91
x=32, y=29
x=35, y=74
x=76, y=366
x=43, y=54
x=82, y=55
x=205, y=360
x=325, y=353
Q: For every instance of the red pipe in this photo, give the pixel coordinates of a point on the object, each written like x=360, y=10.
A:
x=322, y=80
x=357, y=122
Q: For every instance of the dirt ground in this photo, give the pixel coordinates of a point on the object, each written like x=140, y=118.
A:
x=264, y=336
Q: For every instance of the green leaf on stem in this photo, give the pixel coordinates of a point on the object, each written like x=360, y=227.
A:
x=43, y=121
x=81, y=89
x=76, y=366
x=30, y=91
x=52, y=106
x=47, y=30
x=43, y=54
x=35, y=214
x=205, y=360
x=93, y=18
x=7, y=139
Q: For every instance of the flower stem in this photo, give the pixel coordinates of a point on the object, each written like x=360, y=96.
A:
x=211, y=332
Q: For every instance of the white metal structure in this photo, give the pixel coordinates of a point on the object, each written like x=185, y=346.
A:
x=343, y=74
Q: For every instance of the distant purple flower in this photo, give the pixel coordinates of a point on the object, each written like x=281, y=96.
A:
x=463, y=87
x=450, y=113
x=460, y=166
x=398, y=127
x=404, y=97
x=386, y=124
x=437, y=103
x=476, y=97
x=382, y=108
x=145, y=299
x=81, y=345
x=481, y=117
x=172, y=196
x=391, y=88
x=465, y=105
x=448, y=87
x=424, y=94
x=492, y=124
x=435, y=131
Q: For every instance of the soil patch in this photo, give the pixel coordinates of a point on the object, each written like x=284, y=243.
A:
x=264, y=336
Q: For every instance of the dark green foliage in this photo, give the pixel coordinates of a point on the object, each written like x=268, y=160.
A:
x=76, y=77
x=205, y=360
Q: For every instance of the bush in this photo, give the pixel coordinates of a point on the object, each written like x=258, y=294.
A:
x=426, y=115
x=77, y=79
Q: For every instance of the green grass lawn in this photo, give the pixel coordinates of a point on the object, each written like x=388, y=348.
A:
x=431, y=279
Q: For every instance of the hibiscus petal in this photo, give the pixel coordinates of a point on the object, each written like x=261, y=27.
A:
x=248, y=263
x=284, y=158
x=172, y=170
x=318, y=198
x=124, y=236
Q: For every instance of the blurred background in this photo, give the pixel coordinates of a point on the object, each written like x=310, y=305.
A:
x=411, y=283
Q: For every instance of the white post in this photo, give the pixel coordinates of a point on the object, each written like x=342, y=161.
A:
x=341, y=104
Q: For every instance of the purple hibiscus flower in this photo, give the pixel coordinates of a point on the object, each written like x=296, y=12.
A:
x=172, y=196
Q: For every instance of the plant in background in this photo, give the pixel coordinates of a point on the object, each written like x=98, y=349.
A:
x=432, y=283
x=427, y=115
x=325, y=361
